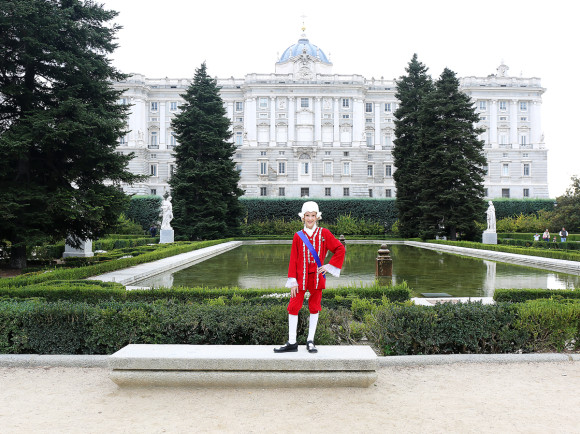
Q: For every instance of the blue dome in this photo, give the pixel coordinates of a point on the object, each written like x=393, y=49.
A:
x=303, y=46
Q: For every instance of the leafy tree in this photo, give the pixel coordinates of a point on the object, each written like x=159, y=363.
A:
x=452, y=162
x=59, y=123
x=204, y=186
x=567, y=212
x=411, y=91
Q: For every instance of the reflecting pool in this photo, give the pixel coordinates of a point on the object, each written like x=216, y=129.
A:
x=266, y=266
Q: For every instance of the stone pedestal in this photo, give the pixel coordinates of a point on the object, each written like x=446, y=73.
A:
x=166, y=236
x=489, y=237
x=384, y=262
x=84, y=251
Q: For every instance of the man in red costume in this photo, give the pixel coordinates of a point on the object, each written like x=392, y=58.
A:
x=304, y=274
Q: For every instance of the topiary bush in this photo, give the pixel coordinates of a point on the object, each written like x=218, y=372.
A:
x=144, y=210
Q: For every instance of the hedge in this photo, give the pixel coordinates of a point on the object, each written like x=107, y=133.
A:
x=110, y=243
x=94, y=291
x=163, y=251
x=512, y=207
x=520, y=295
x=530, y=236
x=144, y=210
x=539, y=244
x=545, y=253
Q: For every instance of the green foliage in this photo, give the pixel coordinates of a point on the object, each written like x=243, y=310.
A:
x=539, y=244
x=535, y=222
x=412, y=89
x=120, y=243
x=60, y=122
x=445, y=329
x=126, y=226
x=530, y=236
x=552, y=325
x=505, y=208
x=274, y=209
x=345, y=225
x=205, y=183
x=145, y=210
x=517, y=295
x=567, y=212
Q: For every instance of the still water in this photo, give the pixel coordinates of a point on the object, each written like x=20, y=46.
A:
x=266, y=266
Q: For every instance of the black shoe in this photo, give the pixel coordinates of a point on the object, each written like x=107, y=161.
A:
x=287, y=348
x=311, y=347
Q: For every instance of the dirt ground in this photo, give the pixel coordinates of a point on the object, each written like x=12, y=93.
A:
x=459, y=398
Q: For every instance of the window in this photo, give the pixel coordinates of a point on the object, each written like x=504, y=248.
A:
x=328, y=167
x=172, y=140
x=504, y=155
x=505, y=192
x=346, y=168
x=503, y=105
x=153, y=106
x=153, y=156
x=388, y=107
x=388, y=192
x=327, y=191
x=239, y=139
x=263, y=153
x=523, y=106
x=523, y=139
x=345, y=103
x=388, y=170
x=153, y=169
x=503, y=139
x=281, y=168
x=240, y=119
x=123, y=101
x=526, y=169
x=345, y=153
x=505, y=169
x=263, y=191
x=346, y=116
x=239, y=168
x=173, y=106
x=122, y=140
x=370, y=170
x=305, y=168
x=281, y=152
x=503, y=118
x=263, y=168
x=370, y=192
x=388, y=141
x=281, y=191
x=239, y=106
x=485, y=192
x=153, y=191
x=153, y=143
x=304, y=103
x=523, y=118
x=525, y=155
x=483, y=118
x=304, y=192
x=369, y=107
x=346, y=191
x=483, y=105
x=327, y=152
x=263, y=103
x=526, y=192
x=370, y=140
x=369, y=120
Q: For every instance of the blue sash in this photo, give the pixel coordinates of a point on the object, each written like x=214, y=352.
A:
x=308, y=244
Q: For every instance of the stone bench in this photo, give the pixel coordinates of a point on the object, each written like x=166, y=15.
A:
x=242, y=366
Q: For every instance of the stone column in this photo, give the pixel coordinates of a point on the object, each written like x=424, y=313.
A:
x=291, y=120
x=358, y=122
x=535, y=123
x=493, y=124
x=250, y=121
x=514, y=123
x=377, y=138
x=336, y=124
x=230, y=111
x=272, y=121
x=162, y=127
x=317, y=121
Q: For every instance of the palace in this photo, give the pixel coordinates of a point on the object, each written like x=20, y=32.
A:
x=304, y=131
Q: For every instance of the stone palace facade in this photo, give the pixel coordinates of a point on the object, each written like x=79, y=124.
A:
x=304, y=131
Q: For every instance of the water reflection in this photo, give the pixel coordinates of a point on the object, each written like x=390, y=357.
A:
x=425, y=270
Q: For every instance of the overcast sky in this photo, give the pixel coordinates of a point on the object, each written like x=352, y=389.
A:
x=171, y=38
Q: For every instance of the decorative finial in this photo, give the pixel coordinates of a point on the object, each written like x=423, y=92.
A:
x=303, y=26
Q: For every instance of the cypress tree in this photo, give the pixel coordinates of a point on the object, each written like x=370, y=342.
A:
x=60, y=122
x=411, y=91
x=204, y=186
x=452, y=162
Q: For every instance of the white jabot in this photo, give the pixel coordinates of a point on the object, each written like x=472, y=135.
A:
x=309, y=232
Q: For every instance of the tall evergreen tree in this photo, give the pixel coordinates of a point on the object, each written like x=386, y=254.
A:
x=59, y=123
x=452, y=162
x=204, y=186
x=411, y=91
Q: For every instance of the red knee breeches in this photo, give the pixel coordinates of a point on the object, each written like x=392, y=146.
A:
x=314, y=301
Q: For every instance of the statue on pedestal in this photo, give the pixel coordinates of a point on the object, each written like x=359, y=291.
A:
x=166, y=213
x=490, y=217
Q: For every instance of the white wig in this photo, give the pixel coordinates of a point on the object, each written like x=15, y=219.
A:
x=310, y=207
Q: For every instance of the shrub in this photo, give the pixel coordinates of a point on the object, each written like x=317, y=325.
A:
x=521, y=295
x=144, y=210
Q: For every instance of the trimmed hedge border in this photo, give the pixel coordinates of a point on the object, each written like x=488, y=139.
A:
x=522, y=295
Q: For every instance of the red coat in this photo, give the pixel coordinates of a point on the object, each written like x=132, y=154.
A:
x=302, y=262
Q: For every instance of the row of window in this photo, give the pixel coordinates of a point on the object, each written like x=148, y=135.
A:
x=505, y=192
x=369, y=138
x=503, y=105
x=173, y=106
x=263, y=103
x=305, y=192
x=154, y=140
x=328, y=166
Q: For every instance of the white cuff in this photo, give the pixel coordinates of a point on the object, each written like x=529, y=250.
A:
x=332, y=270
x=291, y=282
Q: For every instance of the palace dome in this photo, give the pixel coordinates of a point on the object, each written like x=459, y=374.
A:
x=303, y=46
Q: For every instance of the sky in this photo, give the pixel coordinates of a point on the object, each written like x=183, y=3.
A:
x=376, y=38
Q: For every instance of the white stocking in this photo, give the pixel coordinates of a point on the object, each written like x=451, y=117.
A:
x=292, y=327
x=312, y=326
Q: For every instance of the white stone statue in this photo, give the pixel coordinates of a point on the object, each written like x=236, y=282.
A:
x=167, y=213
x=490, y=217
